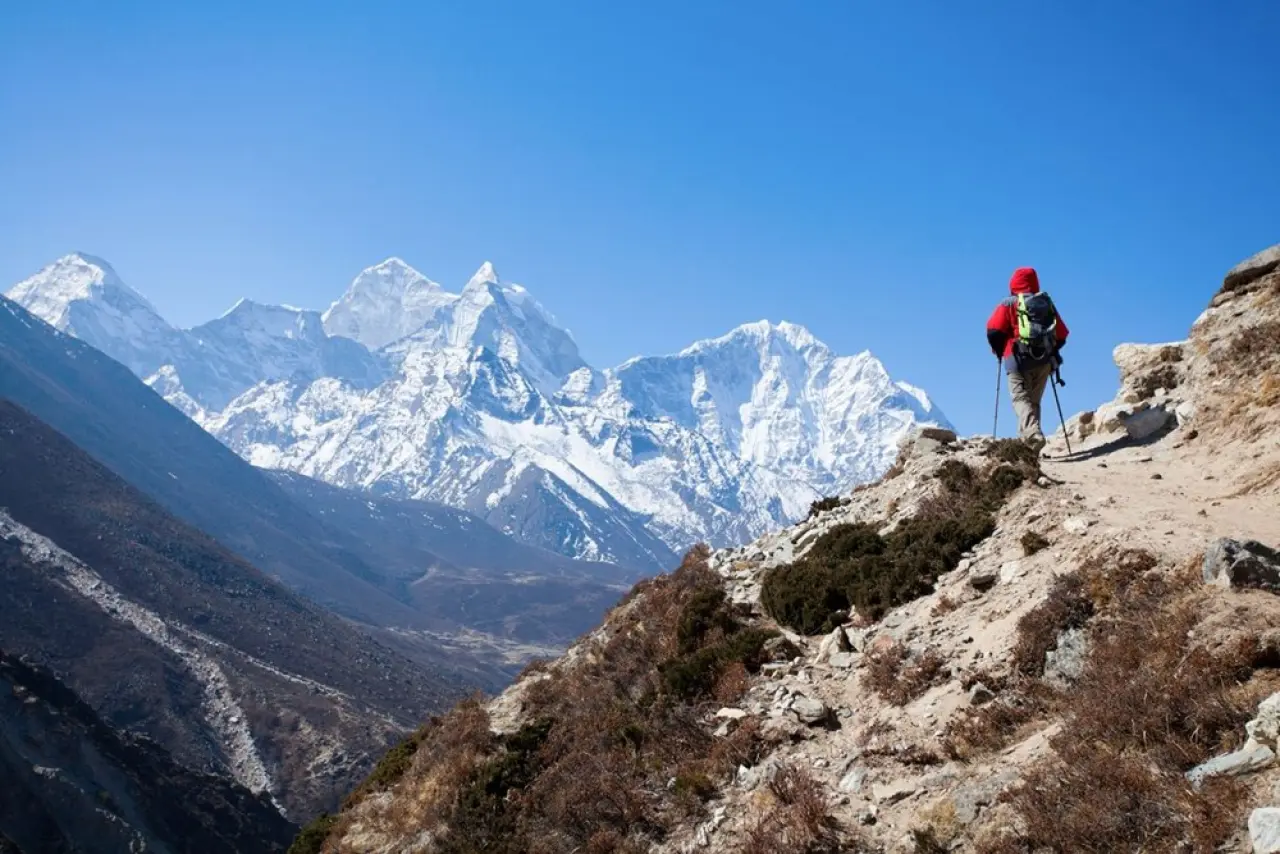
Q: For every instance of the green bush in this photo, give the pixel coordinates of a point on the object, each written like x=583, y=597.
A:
x=822, y=505
x=854, y=567
x=311, y=838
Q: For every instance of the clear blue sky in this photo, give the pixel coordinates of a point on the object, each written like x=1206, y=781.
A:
x=659, y=172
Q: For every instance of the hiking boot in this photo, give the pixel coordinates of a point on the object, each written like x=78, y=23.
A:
x=1036, y=442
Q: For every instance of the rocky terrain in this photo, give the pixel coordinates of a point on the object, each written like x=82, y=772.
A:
x=979, y=652
x=74, y=783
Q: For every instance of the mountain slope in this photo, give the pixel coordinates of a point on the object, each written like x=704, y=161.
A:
x=986, y=652
x=162, y=630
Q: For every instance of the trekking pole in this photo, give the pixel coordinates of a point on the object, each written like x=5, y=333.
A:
x=995, y=422
x=1054, y=385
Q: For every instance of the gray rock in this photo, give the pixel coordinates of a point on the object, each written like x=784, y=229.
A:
x=1242, y=563
x=837, y=641
x=1076, y=524
x=1264, y=830
x=1265, y=727
x=1252, y=269
x=731, y=714
x=809, y=710
x=852, y=782
x=1146, y=422
x=1064, y=664
x=938, y=434
x=1252, y=757
x=980, y=695
x=970, y=800
x=841, y=660
x=983, y=581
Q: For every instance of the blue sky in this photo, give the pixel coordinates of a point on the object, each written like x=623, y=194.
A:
x=660, y=172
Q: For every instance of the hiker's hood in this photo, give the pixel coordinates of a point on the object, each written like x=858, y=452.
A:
x=1024, y=281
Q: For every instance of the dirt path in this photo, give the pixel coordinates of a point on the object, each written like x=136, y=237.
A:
x=1174, y=496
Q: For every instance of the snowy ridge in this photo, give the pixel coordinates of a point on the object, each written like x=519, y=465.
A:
x=481, y=400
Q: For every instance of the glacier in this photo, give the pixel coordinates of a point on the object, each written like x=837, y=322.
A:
x=481, y=400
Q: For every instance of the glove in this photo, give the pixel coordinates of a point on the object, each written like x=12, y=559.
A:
x=997, y=341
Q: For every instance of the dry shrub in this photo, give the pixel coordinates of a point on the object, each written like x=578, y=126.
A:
x=1150, y=705
x=822, y=505
x=945, y=605
x=1067, y=606
x=1034, y=542
x=898, y=678
x=992, y=726
x=798, y=819
x=1254, y=348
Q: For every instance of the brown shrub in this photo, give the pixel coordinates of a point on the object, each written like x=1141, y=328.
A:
x=1253, y=348
x=898, y=678
x=945, y=605
x=1034, y=542
x=1067, y=606
x=1150, y=705
x=798, y=820
x=992, y=726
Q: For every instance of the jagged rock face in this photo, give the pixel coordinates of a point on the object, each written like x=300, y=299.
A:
x=74, y=783
x=480, y=400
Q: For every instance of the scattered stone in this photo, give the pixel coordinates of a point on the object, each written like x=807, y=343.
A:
x=852, y=782
x=1252, y=757
x=970, y=800
x=841, y=660
x=983, y=581
x=1242, y=563
x=820, y=763
x=980, y=695
x=1157, y=476
x=731, y=714
x=938, y=434
x=1010, y=571
x=891, y=793
x=1076, y=524
x=1264, y=830
x=809, y=710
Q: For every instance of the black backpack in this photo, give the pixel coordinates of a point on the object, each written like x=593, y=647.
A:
x=1037, y=327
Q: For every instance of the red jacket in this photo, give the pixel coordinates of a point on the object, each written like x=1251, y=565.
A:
x=1002, y=326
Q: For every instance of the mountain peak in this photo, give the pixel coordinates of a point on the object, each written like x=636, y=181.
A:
x=76, y=278
x=486, y=275
x=761, y=332
x=384, y=303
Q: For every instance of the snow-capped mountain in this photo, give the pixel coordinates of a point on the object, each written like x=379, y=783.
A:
x=482, y=401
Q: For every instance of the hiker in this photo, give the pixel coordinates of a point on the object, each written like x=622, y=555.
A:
x=1026, y=332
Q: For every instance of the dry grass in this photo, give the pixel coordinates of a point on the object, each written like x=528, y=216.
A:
x=798, y=819
x=589, y=769
x=1150, y=705
x=1067, y=606
x=898, y=678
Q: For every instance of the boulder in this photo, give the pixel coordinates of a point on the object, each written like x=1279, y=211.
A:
x=837, y=641
x=852, y=782
x=731, y=714
x=1144, y=368
x=1144, y=423
x=1064, y=664
x=937, y=434
x=1076, y=524
x=980, y=695
x=1242, y=564
x=1264, y=830
x=1252, y=757
x=809, y=710
x=1252, y=269
x=983, y=581
x=1265, y=727
x=841, y=660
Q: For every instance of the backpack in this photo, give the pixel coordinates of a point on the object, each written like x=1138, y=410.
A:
x=1037, y=327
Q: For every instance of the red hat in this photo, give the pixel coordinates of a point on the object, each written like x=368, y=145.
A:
x=1024, y=281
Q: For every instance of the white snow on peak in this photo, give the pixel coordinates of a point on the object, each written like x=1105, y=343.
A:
x=484, y=276
x=385, y=303
x=77, y=277
x=481, y=400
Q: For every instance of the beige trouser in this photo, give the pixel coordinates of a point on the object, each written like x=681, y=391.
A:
x=1027, y=388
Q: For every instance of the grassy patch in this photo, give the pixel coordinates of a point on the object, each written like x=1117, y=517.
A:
x=854, y=568
x=311, y=838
